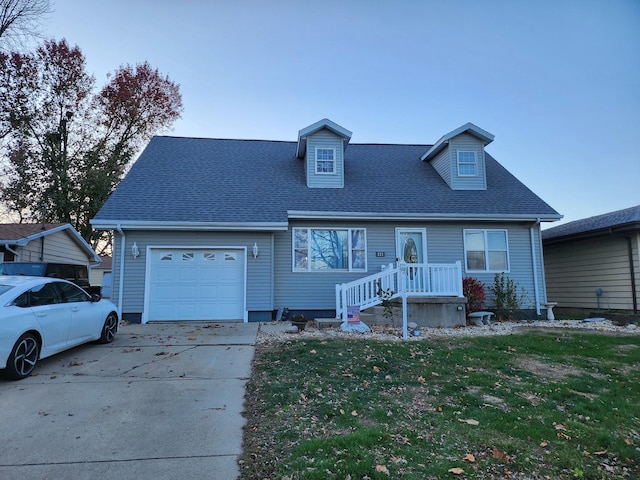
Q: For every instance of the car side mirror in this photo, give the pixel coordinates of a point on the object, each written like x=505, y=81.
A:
x=95, y=297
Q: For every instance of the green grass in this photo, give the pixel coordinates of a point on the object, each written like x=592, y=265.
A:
x=538, y=405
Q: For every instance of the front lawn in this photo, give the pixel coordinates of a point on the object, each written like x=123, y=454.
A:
x=537, y=405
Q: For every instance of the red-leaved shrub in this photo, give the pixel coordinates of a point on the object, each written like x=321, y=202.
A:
x=473, y=289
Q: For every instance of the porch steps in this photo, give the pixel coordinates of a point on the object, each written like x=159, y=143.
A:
x=322, y=323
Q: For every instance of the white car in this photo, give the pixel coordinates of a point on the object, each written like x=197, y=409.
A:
x=41, y=316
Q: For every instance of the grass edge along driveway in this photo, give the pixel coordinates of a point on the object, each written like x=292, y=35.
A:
x=536, y=405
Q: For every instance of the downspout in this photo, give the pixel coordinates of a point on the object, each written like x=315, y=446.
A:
x=273, y=269
x=634, y=293
x=121, y=276
x=16, y=255
x=535, y=266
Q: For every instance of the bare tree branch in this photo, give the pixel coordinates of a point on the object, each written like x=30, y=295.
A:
x=21, y=20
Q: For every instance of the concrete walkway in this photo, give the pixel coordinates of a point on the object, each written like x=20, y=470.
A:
x=163, y=401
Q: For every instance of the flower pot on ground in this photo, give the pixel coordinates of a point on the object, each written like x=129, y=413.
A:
x=299, y=321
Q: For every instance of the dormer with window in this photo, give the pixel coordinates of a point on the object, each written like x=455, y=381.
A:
x=459, y=157
x=322, y=147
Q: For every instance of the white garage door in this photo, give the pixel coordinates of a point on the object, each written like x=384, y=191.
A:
x=196, y=284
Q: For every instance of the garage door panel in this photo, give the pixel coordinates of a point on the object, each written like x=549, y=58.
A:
x=196, y=284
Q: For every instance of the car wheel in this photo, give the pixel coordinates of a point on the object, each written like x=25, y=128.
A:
x=109, y=328
x=23, y=357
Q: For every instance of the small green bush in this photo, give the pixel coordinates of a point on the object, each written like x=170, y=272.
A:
x=506, y=297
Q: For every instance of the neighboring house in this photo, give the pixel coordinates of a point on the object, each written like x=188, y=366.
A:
x=49, y=242
x=212, y=229
x=100, y=275
x=592, y=264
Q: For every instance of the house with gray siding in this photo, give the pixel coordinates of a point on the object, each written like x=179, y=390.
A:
x=223, y=229
x=593, y=264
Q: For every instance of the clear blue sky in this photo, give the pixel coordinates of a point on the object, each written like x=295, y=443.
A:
x=556, y=81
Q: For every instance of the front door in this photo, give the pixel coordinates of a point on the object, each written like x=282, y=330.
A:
x=411, y=247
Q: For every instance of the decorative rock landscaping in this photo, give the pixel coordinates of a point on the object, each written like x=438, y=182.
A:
x=277, y=331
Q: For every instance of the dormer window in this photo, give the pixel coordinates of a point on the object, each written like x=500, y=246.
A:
x=325, y=161
x=467, y=165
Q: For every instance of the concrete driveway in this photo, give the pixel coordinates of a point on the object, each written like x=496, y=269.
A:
x=163, y=401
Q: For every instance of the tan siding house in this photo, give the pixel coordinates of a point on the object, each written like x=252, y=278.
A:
x=593, y=264
x=49, y=242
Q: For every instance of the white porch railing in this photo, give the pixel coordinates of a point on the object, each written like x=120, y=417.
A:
x=413, y=280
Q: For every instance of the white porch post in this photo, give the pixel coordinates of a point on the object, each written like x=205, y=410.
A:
x=402, y=284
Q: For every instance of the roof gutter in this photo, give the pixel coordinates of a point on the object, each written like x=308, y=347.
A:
x=190, y=226
x=309, y=215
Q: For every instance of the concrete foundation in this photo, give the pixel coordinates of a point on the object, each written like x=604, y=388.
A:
x=430, y=312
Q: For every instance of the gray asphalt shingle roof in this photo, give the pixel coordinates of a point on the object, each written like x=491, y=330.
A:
x=245, y=181
x=627, y=217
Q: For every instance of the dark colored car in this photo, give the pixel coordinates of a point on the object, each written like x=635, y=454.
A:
x=77, y=274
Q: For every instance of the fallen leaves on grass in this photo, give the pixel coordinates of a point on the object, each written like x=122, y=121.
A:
x=469, y=421
x=500, y=455
x=382, y=469
x=456, y=471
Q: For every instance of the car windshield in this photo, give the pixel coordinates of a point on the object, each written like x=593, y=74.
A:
x=5, y=288
x=31, y=269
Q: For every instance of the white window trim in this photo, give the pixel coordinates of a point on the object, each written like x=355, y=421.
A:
x=486, y=249
x=350, y=250
x=475, y=163
x=334, y=172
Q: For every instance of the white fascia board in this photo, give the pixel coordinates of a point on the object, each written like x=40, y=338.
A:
x=302, y=215
x=324, y=123
x=191, y=226
x=474, y=130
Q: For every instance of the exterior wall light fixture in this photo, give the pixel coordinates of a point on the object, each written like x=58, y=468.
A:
x=255, y=250
x=135, y=251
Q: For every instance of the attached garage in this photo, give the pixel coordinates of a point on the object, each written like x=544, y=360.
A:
x=195, y=284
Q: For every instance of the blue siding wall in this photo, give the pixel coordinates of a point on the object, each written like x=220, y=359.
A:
x=259, y=270
x=443, y=165
x=445, y=244
x=271, y=282
x=324, y=139
x=466, y=142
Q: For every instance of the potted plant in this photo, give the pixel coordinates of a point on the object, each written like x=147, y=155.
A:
x=299, y=320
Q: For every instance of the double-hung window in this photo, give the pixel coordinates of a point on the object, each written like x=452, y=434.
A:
x=467, y=166
x=326, y=249
x=486, y=250
x=325, y=161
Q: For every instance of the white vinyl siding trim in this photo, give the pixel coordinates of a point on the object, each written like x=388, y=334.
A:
x=486, y=250
x=327, y=249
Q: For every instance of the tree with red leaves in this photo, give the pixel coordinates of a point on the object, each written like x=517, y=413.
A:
x=64, y=146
